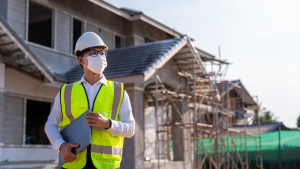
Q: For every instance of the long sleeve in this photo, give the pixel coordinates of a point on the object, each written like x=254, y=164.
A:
x=54, y=120
x=126, y=126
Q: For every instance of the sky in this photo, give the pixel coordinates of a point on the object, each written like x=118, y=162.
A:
x=260, y=38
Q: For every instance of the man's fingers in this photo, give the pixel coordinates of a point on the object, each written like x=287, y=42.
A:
x=70, y=158
x=91, y=116
x=73, y=145
x=90, y=120
x=91, y=124
x=71, y=155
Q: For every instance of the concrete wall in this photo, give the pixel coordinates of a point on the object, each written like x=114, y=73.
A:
x=19, y=86
x=106, y=36
x=89, y=12
x=63, y=33
x=16, y=16
x=144, y=29
x=3, y=8
x=23, y=85
x=150, y=132
x=12, y=126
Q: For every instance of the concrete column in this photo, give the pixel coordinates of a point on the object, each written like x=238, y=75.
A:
x=133, y=150
x=177, y=134
x=2, y=82
x=181, y=137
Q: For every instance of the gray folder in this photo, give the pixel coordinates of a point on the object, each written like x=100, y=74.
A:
x=77, y=132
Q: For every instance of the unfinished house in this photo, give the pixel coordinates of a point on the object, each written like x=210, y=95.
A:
x=175, y=101
x=242, y=104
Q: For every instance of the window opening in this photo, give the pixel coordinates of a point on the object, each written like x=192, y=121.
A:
x=77, y=31
x=118, y=42
x=40, y=25
x=36, y=116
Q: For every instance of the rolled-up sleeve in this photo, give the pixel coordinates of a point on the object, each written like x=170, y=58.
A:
x=52, y=124
x=126, y=126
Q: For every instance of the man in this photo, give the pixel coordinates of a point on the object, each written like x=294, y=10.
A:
x=111, y=116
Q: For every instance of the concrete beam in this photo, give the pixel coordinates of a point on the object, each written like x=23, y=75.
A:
x=12, y=58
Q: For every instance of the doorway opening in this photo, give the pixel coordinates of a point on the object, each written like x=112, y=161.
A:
x=36, y=116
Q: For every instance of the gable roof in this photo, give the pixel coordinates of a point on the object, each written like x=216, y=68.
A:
x=130, y=11
x=264, y=127
x=16, y=54
x=240, y=90
x=128, y=61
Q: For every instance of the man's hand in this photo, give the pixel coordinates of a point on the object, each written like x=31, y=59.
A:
x=97, y=120
x=65, y=149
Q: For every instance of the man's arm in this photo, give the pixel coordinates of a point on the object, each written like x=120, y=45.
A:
x=126, y=126
x=51, y=129
x=54, y=120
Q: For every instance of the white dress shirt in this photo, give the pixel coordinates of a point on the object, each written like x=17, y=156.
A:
x=124, y=128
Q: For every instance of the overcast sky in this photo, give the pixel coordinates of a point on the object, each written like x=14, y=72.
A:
x=260, y=38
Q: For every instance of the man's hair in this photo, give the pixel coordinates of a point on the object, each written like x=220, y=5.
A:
x=80, y=54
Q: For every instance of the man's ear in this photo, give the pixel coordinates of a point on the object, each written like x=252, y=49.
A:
x=80, y=60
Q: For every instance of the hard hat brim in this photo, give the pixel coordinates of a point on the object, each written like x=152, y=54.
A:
x=105, y=48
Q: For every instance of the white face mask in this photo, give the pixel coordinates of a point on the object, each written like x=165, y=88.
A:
x=96, y=64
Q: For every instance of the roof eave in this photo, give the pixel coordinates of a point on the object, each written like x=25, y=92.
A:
x=25, y=49
x=150, y=70
x=156, y=24
x=139, y=16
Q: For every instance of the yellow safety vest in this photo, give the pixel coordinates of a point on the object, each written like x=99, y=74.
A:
x=106, y=150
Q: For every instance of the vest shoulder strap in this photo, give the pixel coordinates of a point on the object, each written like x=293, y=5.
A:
x=66, y=92
x=118, y=97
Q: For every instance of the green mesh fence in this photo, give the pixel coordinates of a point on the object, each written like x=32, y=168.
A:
x=277, y=147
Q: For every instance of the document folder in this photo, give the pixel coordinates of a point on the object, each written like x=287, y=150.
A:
x=77, y=132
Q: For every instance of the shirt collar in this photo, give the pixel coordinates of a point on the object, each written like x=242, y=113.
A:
x=102, y=80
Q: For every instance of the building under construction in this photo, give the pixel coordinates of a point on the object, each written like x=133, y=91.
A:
x=194, y=121
x=185, y=110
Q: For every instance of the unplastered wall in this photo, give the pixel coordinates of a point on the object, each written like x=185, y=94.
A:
x=89, y=12
x=21, y=84
x=12, y=126
x=16, y=16
x=106, y=36
x=143, y=29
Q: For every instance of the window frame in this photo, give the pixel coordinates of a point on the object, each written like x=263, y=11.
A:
x=72, y=33
x=53, y=26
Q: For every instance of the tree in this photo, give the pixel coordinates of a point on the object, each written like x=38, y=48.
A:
x=268, y=117
x=298, y=122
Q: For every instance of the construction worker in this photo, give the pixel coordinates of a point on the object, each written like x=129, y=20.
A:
x=111, y=116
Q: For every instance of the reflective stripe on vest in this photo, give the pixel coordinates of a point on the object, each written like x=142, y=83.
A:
x=105, y=150
x=67, y=96
x=74, y=101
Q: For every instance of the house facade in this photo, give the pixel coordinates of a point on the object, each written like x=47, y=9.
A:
x=37, y=39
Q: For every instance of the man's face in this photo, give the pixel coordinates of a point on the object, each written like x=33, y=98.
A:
x=83, y=60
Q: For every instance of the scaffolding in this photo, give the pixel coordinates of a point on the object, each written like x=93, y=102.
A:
x=197, y=118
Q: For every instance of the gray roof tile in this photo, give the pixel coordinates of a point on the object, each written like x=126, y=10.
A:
x=127, y=61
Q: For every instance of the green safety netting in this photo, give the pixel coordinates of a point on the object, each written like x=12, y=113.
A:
x=277, y=147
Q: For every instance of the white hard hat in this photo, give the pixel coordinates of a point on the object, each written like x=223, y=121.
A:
x=89, y=40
